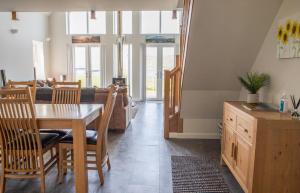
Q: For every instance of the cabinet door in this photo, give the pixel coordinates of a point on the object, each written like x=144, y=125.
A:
x=228, y=144
x=242, y=156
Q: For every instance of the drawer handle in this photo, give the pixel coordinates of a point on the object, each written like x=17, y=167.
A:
x=246, y=130
x=232, y=149
x=235, y=153
x=231, y=119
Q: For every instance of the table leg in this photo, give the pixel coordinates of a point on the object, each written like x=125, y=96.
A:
x=79, y=146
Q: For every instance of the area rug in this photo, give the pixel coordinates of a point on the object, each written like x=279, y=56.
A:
x=197, y=175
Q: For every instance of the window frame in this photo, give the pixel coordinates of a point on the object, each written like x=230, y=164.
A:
x=160, y=24
x=87, y=23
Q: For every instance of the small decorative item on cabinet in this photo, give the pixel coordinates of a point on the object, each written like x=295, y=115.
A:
x=295, y=114
x=253, y=82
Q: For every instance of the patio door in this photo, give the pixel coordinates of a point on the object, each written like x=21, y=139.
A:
x=87, y=65
x=158, y=59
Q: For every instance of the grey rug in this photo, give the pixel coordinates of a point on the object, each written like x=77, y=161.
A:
x=197, y=175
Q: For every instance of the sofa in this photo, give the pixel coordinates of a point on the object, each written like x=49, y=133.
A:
x=121, y=115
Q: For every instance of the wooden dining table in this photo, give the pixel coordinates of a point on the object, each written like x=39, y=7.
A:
x=75, y=117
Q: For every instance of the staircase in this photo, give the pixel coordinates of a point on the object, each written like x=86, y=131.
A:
x=173, y=79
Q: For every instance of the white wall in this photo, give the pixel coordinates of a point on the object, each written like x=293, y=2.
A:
x=225, y=38
x=16, y=54
x=60, y=42
x=284, y=72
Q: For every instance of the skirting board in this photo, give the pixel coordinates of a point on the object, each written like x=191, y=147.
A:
x=194, y=136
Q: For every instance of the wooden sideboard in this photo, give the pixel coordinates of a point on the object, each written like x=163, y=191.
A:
x=261, y=149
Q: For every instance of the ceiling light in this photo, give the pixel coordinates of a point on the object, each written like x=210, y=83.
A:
x=93, y=14
x=174, y=14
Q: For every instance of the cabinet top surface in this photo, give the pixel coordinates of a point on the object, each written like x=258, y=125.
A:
x=261, y=114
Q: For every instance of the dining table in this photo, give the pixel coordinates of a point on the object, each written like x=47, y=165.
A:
x=75, y=117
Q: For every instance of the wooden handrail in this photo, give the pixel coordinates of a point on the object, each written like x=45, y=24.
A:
x=173, y=79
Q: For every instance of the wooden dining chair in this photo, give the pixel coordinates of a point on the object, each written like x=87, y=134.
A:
x=63, y=93
x=96, y=143
x=24, y=84
x=66, y=92
x=22, y=145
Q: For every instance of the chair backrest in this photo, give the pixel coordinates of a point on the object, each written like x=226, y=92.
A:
x=19, y=136
x=24, y=84
x=101, y=149
x=66, y=92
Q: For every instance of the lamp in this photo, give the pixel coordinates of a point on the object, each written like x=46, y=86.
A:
x=14, y=20
x=174, y=14
x=93, y=14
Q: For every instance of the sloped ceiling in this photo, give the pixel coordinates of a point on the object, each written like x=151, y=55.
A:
x=64, y=5
x=225, y=38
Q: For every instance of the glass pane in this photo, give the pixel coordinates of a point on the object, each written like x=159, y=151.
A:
x=98, y=25
x=115, y=60
x=127, y=65
x=150, y=22
x=96, y=79
x=168, y=58
x=77, y=23
x=127, y=22
x=80, y=57
x=80, y=75
x=115, y=22
x=168, y=24
x=95, y=58
x=168, y=62
x=151, y=72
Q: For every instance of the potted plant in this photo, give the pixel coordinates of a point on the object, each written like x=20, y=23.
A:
x=253, y=82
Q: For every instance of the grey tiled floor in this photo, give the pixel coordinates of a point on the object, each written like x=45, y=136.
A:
x=140, y=160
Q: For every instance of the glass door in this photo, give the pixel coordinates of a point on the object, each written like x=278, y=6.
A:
x=87, y=65
x=158, y=59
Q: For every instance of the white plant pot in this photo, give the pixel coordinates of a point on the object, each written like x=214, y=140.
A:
x=252, y=98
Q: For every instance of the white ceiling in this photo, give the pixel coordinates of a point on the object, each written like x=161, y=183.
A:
x=63, y=5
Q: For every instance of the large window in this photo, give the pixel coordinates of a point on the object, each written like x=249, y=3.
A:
x=156, y=22
x=126, y=22
x=150, y=23
x=81, y=23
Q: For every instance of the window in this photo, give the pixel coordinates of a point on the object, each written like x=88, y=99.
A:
x=168, y=24
x=81, y=23
x=98, y=25
x=126, y=22
x=150, y=22
x=77, y=23
x=39, y=59
x=156, y=22
x=87, y=65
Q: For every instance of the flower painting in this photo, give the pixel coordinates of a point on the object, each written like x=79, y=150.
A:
x=288, y=38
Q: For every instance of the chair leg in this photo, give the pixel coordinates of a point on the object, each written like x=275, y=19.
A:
x=43, y=185
x=108, y=163
x=100, y=173
x=2, y=183
x=72, y=160
x=60, y=164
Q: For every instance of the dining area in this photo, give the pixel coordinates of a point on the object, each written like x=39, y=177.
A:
x=66, y=135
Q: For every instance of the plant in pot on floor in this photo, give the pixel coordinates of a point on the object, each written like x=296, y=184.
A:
x=253, y=82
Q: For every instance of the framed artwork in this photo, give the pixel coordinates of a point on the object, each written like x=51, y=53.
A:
x=288, y=38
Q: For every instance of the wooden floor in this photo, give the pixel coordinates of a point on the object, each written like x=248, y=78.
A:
x=140, y=160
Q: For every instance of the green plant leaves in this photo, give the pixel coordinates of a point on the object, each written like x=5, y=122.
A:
x=254, y=81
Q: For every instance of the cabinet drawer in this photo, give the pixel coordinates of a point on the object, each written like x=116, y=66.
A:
x=230, y=118
x=245, y=128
